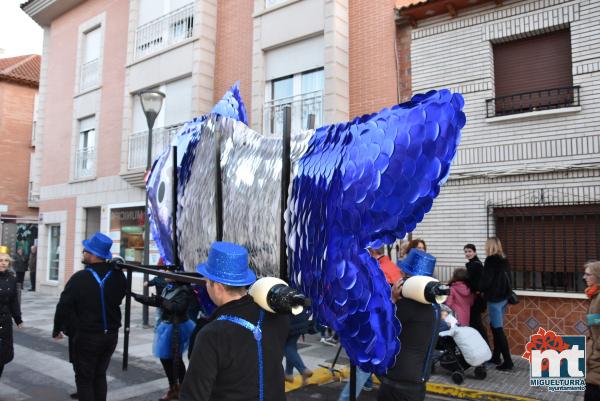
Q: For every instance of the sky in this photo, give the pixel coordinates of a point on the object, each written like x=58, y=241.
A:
x=19, y=34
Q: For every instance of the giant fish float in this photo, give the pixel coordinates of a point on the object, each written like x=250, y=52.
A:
x=357, y=184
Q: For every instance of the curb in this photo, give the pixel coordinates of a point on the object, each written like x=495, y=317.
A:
x=323, y=376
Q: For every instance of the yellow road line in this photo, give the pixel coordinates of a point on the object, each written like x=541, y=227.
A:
x=323, y=376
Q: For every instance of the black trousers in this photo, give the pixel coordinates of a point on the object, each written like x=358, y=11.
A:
x=32, y=279
x=91, y=356
x=475, y=322
x=592, y=392
x=20, y=278
x=398, y=391
x=174, y=367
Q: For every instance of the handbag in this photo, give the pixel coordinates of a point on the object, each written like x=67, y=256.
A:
x=513, y=298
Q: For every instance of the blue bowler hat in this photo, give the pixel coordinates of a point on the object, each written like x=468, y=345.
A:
x=99, y=245
x=227, y=264
x=418, y=263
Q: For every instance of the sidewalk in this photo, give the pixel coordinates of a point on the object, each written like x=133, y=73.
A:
x=497, y=385
x=38, y=312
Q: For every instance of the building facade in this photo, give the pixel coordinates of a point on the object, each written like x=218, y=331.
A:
x=528, y=165
x=19, y=79
x=332, y=59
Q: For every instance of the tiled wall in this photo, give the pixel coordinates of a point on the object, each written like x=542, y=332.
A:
x=562, y=315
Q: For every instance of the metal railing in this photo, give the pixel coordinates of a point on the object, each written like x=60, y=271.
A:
x=85, y=163
x=90, y=75
x=302, y=106
x=165, y=31
x=138, y=145
x=546, y=99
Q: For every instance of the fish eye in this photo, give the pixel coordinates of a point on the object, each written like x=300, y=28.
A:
x=161, y=191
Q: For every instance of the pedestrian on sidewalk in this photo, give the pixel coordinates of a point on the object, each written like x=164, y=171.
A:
x=592, y=377
x=90, y=304
x=405, y=381
x=9, y=308
x=237, y=354
x=172, y=334
x=298, y=327
x=20, y=266
x=496, y=288
x=418, y=243
x=475, y=269
x=32, y=265
x=461, y=298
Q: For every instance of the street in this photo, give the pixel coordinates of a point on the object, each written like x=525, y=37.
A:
x=41, y=371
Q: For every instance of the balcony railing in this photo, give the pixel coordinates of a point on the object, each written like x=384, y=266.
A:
x=165, y=31
x=90, y=75
x=533, y=101
x=138, y=145
x=302, y=107
x=85, y=163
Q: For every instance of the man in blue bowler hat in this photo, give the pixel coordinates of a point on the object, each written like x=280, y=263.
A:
x=237, y=354
x=405, y=381
x=89, y=313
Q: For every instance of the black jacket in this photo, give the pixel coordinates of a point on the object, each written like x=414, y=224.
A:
x=224, y=362
x=475, y=270
x=174, y=302
x=494, y=282
x=420, y=323
x=79, y=307
x=9, y=309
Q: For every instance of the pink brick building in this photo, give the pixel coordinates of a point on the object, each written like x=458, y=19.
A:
x=19, y=77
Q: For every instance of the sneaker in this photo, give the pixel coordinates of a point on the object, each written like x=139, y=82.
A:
x=327, y=342
x=289, y=378
x=307, y=374
x=332, y=340
x=367, y=388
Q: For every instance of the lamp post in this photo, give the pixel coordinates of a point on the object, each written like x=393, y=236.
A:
x=152, y=101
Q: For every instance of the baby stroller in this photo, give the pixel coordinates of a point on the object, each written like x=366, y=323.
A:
x=459, y=349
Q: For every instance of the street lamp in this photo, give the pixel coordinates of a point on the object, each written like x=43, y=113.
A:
x=152, y=101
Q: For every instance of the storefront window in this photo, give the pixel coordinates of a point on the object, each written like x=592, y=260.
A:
x=127, y=233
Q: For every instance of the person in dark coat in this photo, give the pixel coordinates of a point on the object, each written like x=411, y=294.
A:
x=496, y=288
x=475, y=269
x=32, y=266
x=406, y=379
x=19, y=265
x=237, y=354
x=298, y=327
x=173, y=331
x=90, y=308
x=9, y=308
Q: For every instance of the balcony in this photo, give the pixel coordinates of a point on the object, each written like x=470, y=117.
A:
x=85, y=163
x=302, y=107
x=165, y=31
x=138, y=145
x=90, y=75
x=547, y=99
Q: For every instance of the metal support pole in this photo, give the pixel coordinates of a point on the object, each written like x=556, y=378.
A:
x=147, y=228
x=352, y=382
x=127, y=320
x=285, y=184
x=174, y=209
x=218, y=188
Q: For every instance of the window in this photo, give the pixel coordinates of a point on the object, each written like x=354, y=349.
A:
x=175, y=111
x=533, y=74
x=547, y=246
x=162, y=23
x=127, y=233
x=85, y=160
x=303, y=94
x=90, y=60
x=53, y=252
